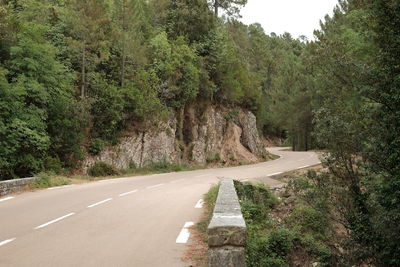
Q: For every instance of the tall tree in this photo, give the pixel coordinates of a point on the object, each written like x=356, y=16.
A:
x=89, y=26
x=231, y=7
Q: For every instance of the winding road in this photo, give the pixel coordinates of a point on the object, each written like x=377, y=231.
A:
x=137, y=221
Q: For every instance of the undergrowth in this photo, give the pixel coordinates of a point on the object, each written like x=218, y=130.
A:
x=49, y=180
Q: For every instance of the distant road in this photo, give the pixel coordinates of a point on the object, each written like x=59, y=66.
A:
x=138, y=221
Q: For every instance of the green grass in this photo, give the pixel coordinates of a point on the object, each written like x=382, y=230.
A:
x=210, y=198
x=48, y=180
x=273, y=156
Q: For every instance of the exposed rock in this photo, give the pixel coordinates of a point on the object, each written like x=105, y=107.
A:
x=250, y=138
x=140, y=149
x=208, y=135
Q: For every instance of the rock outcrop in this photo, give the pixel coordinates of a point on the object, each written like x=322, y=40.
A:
x=209, y=135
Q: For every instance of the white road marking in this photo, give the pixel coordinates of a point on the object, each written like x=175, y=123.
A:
x=59, y=187
x=154, y=186
x=6, y=198
x=2, y=243
x=100, y=202
x=128, y=193
x=199, y=204
x=184, y=235
x=54, y=221
x=276, y=173
x=302, y=167
x=198, y=176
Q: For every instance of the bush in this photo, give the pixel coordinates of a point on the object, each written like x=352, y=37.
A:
x=102, y=169
x=280, y=242
x=308, y=220
x=53, y=164
x=214, y=158
x=96, y=146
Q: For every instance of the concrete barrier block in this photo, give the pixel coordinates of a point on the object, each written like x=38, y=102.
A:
x=227, y=229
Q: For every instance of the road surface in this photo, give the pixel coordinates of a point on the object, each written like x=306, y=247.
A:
x=138, y=221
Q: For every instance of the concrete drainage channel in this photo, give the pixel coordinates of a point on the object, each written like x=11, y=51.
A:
x=227, y=229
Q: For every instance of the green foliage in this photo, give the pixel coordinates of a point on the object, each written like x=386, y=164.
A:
x=102, y=169
x=48, y=180
x=213, y=158
x=96, y=146
x=53, y=165
x=305, y=220
x=210, y=199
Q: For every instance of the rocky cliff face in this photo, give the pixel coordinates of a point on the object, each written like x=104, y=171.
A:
x=209, y=134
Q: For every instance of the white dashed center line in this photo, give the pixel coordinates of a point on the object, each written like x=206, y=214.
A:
x=100, y=202
x=203, y=175
x=128, y=193
x=199, y=204
x=54, y=221
x=154, y=186
x=6, y=198
x=2, y=243
x=184, y=235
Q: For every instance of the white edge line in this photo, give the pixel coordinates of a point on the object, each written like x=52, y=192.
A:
x=184, y=235
x=59, y=187
x=100, y=202
x=199, y=204
x=55, y=220
x=6, y=198
x=154, y=186
x=2, y=243
x=128, y=193
x=305, y=166
x=276, y=173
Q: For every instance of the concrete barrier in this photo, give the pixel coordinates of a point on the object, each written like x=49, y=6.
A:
x=15, y=185
x=227, y=229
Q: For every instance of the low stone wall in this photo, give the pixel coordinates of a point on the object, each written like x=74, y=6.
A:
x=15, y=185
x=227, y=229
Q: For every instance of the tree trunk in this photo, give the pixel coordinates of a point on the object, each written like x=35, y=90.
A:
x=123, y=56
x=83, y=86
x=181, y=117
x=216, y=7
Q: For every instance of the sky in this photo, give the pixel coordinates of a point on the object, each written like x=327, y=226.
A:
x=298, y=17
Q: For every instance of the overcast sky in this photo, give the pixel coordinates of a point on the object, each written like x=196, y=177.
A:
x=298, y=17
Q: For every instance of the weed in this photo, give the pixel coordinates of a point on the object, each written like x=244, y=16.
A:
x=48, y=180
x=102, y=169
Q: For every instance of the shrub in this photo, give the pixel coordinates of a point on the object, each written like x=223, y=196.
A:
x=309, y=220
x=53, y=164
x=46, y=180
x=96, y=146
x=102, y=169
x=214, y=158
x=280, y=242
x=232, y=115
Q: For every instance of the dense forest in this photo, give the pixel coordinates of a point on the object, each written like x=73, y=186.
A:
x=75, y=74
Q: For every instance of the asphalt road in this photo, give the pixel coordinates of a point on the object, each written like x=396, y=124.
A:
x=136, y=221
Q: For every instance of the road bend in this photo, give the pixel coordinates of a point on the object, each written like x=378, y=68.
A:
x=136, y=221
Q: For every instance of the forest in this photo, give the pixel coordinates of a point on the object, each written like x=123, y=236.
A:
x=77, y=74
